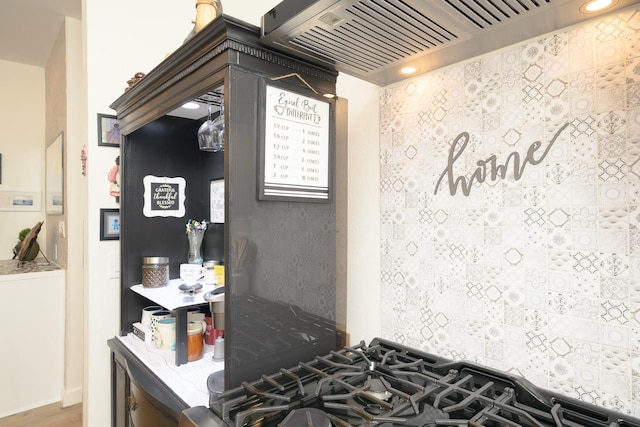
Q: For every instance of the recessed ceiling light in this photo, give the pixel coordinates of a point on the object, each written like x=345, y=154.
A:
x=409, y=70
x=191, y=106
x=593, y=6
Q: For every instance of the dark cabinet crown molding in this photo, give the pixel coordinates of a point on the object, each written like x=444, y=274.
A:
x=224, y=42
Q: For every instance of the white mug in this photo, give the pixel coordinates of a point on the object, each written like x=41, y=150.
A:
x=195, y=316
x=191, y=272
x=165, y=334
x=145, y=319
x=155, y=317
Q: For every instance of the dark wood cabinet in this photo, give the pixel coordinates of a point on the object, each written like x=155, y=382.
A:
x=140, y=399
x=121, y=390
x=279, y=255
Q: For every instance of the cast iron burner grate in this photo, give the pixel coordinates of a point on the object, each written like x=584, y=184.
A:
x=386, y=384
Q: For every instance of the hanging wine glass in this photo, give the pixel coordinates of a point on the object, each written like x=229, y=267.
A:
x=218, y=130
x=205, y=134
x=211, y=132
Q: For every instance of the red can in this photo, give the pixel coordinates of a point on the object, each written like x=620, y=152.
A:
x=211, y=334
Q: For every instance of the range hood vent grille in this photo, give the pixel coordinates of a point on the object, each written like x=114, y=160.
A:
x=374, y=39
x=374, y=34
x=484, y=14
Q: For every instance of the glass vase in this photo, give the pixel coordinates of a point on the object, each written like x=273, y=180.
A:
x=195, y=247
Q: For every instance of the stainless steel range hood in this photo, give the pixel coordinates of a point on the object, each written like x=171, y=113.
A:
x=374, y=39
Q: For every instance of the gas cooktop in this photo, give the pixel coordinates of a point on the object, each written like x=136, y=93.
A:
x=387, y=384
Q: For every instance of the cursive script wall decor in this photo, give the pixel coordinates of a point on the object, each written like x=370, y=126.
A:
x=489, y=169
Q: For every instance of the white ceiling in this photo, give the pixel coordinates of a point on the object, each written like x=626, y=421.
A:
x=28, y=28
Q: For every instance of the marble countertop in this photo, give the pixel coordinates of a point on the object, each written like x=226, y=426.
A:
x=189, y=381
x=13, y=266
x=171, y=297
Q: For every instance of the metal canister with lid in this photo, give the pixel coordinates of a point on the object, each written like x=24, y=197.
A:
x=155, y=271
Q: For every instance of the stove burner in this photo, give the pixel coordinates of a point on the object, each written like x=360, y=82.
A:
x=389, y=385
x=306, y=417
x=378, y=390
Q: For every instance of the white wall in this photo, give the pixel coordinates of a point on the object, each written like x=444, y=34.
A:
x=75, y=138
x=363, y=205
x=122, y=38
x=22, y=146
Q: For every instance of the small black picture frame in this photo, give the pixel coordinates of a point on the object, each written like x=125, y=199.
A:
x=109, y=224
x=108, y=131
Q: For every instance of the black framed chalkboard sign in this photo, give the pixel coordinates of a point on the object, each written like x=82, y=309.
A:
x=296, y=145
x=164, y=196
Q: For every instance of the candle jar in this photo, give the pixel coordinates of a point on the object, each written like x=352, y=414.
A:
x=210, y=272
x=155, y=271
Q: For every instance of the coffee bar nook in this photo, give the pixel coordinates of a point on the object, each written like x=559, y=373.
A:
x=228, y=216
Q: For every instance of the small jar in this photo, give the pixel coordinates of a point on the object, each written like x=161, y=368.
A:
x=210, y=272
x=155, y=271
x=194, y=341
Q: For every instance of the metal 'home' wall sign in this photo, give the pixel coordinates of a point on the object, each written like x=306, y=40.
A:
x=295, y=155
x=490, y=169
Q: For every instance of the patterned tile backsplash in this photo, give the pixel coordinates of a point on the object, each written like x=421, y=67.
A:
x=536, y=270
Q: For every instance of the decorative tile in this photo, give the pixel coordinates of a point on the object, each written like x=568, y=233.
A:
x=531, y=53
x=613, y=217
x=584, y=240
x=560, y=303
x=581, y=65
x=611, y=146
x=614, y=264
x=615, y=335
x=581, y=104
x=634, y=241
x=609, y=76
x=547, y=265
x=613, y=241
x=610, y=99
x=612, y=170
x=610, y=52
x=560, y=239
x=633, y=112
x=611, y=123
x=633, y=192
x=615, y=312
x=590, y=377
x=560, y=368
x=587, y=308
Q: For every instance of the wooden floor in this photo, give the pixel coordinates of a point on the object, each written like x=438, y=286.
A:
x=53, y=415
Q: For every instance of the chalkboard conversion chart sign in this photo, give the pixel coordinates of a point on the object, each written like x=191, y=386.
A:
x=295, y=155
x=163, y=196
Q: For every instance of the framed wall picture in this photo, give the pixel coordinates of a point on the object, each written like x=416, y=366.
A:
x=20, y=201
x=109, y=224
x=54, y=176
x=108, y=131
x=164, y=196
x=295, y=146
x=217, y=201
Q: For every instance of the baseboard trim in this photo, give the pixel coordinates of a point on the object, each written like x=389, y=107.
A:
x=71, y=397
